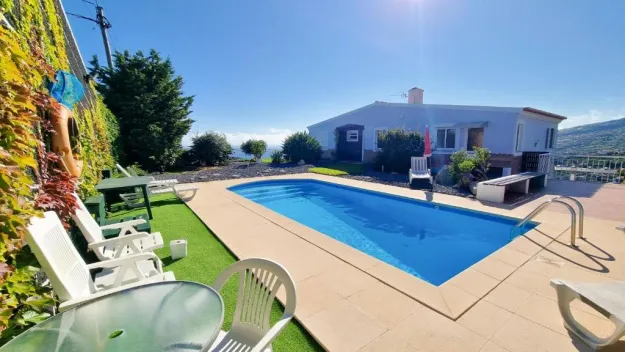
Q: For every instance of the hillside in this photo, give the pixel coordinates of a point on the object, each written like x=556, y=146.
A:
x=604, y=138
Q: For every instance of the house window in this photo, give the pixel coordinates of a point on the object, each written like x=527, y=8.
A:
x=549, y=140
x=519, y=137
x=352, y=136
x=446, y=138
x=475, y=138
x=378, y=133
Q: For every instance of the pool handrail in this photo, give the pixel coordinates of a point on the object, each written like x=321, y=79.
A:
x=540, y=208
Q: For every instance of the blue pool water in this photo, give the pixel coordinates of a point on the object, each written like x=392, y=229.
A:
x=428, y=240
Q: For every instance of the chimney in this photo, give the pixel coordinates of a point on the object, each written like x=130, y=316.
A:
x=415, y=96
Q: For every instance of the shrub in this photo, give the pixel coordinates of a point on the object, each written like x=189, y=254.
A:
x=254, y=147
x=301, y=146
x=138, y=170
x=465, y=168
x=211, y=148
x=277, y=157
x=397, y=147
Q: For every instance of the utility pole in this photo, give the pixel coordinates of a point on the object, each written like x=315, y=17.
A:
x=104, y=24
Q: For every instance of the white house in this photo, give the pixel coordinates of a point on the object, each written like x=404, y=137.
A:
x=507, y=131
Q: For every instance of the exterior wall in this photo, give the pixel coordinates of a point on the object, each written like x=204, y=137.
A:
x=535, y=134
x=411, y=117
x=369, y=155
x=514, y=162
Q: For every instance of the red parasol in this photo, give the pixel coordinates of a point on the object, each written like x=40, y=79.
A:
x=428, y=145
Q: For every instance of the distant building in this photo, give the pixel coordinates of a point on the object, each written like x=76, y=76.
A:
x=506, y=131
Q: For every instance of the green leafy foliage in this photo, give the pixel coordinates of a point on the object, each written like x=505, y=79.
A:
x=465, y=168
x=254, y=147
x=211, y=148
x=397, y=147
x=146, y=97
x=603, y=138
x=301, y=146
x=277, y=157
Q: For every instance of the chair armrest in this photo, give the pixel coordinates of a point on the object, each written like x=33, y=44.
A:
x=123, y=224
x=120, y=242
x=272, y=334
x=118, y=262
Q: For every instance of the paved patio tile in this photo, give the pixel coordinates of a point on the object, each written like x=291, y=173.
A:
x=313, y=296
x=456, y=299
x=385, y=304
x=508, y=297
x=494, y=268
x=521, y=335
x=511, y=256
x=492, y=347
x=346, y=280
x=474, y=282
x=431, y=332
x=485, y=318
x=389, y=341
x=343, y=327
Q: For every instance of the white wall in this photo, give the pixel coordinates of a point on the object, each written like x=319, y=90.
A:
x=536, y=132
x=498, y=135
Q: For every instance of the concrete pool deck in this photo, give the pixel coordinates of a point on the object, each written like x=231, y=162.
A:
x=350, y=301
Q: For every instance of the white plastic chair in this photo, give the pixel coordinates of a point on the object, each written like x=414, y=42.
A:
x=128, y=242
x=259, y=281
x=608, y=298
x=70, y=275
x=419, y=169
x=130, y=172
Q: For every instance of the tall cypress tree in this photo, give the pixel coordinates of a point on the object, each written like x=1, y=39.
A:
x=146, y=97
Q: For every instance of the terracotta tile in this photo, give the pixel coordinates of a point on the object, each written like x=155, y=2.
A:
x=313, y=296
x=457, y=299
x=545, y=312
x=343, y=327
x=385, y=304
x=522, y=335
x=507, y=297
x=429, y=331
x=346, y=280
x=492, y=347
x=511, y=256
x=494, y=268
x=485, y=318
x=474, y=282
x=389, y=341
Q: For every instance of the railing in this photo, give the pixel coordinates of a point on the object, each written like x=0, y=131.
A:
x=580, y=214
x=543, y=206
x=590, y=168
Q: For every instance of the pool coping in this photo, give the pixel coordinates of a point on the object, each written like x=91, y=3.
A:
x=451, y=299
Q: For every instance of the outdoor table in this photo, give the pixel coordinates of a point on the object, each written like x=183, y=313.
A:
x=162, y=316
x=110, y=184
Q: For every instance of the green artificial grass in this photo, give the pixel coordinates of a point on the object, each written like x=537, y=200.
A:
x=206, y=258
x=339, y=169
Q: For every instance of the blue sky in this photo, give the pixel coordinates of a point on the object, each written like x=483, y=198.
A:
x=266, y=68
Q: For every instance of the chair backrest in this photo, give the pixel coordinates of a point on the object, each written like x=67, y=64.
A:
x=122, y=170
x=259, y=282
x=58, y=257
x=86, y=223
x=132, y=171
x=419, y=164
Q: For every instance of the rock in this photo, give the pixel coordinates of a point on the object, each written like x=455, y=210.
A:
x=281, y=170
x=444, y=177
x=267, y=170
x=473, y=188
x=301, y=162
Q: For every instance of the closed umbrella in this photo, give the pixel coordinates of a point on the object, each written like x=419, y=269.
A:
x=428, y=144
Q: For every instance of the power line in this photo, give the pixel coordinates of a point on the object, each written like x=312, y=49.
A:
x=104, y=25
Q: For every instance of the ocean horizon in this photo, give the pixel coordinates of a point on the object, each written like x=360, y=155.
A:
x=237, y=153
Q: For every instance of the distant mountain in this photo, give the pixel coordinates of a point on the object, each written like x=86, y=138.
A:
x=603, y=138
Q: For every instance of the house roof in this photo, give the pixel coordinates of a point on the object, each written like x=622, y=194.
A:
x=461, y=107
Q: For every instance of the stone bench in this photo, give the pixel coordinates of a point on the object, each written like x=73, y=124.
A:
x=495, y=190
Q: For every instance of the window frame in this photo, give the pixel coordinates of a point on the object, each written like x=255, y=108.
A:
x=446, y=129
x=350, y=132
x=375, y=137
x=551, y=136
x=467, y=138
x=518, y=138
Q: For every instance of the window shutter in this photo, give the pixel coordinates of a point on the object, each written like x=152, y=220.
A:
x=547, y=138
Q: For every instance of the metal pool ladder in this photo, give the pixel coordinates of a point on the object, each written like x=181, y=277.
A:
x=559, y=200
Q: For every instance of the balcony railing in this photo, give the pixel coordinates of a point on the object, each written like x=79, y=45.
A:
x=590, y=168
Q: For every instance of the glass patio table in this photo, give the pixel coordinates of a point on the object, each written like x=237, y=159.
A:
x=163, y=316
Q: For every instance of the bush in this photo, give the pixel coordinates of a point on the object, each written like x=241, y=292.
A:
x=301, y=146
x=277, y=157
x=137, y=169
x=397, y=147
x=254, y=147
x=465, y=168
x=211, y=148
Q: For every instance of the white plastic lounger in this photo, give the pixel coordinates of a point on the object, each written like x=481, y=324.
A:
x=259, y=282
x=130, y=172
x=128, y=242
x=419, y=170
x=70, y=275
x=184, y=192
x=607, y=298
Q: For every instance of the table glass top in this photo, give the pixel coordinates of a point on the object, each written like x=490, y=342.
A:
x=166, y=316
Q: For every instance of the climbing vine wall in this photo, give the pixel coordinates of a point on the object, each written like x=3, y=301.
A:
x=31, y=51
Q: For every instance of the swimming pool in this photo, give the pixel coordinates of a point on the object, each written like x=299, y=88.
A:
x=431, y=241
